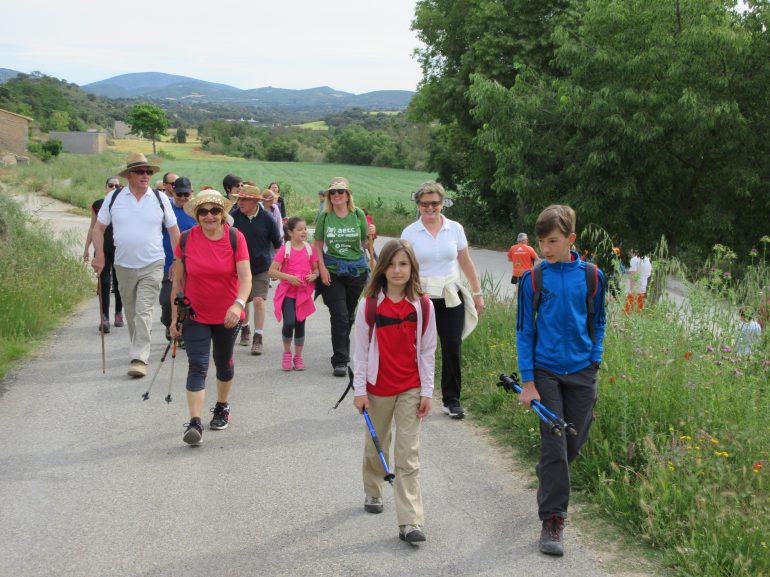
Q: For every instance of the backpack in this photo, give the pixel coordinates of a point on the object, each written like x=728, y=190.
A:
x=592, y=284
x=157, y=196
x=183, y=242
x=308, y=248
x=370, y=313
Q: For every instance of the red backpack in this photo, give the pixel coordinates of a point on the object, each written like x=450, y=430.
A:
x=370, y=313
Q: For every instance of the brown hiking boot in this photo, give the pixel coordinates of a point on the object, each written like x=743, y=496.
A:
x=552, y=535
x=137, y=369
x=245, y=336
x=256, y=346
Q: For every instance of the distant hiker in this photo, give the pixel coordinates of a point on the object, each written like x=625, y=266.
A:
x=137, y=214
x=261, y=234
x=558, y=359
x=394, y=363
x=231, y=183
x=276, y=188
x=268, y=203
x=168, y=184
x=182, y=190
x=522, y=257
x=296, y=265
x=340, y=238
x=442, y=252
x=211, y=268
x=749, y=333
x=639, y=272
x=321, y=202
x=107, y=278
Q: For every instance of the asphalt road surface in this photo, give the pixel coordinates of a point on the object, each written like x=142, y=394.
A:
x=94, y=481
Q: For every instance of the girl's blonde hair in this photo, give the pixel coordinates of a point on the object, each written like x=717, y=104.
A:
x=379, y=282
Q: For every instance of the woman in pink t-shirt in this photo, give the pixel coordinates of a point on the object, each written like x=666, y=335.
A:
x=296, y=265
x=211, y=267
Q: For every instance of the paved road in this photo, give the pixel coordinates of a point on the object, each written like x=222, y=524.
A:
x=96, y=482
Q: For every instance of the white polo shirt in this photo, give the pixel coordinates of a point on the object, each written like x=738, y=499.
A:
x=137, y=226
x=436, y=256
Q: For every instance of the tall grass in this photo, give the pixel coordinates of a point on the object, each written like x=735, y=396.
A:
x=679, y=453
x=39, y=282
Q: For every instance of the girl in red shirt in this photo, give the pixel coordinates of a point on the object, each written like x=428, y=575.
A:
x=394, y=371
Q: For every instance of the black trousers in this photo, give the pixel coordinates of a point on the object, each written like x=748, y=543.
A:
x=572, y=397
x=341, y=298
x=449, y=325
x=164, y=298
x=108, y=279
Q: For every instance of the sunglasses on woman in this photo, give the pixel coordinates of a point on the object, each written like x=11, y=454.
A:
x=337, y=191
x=112, y=185
x=215, y=210
x=430, y=203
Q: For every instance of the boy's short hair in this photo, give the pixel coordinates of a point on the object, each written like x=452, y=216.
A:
x=555, y=217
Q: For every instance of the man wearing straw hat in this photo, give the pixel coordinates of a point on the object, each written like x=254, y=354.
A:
x=138, y=214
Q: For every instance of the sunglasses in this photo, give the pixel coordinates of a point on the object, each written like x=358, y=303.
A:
x=430, y=203
x=216, y=210
x=338, y=191
x=112, y=185
x=185, y=194
x=143, y=172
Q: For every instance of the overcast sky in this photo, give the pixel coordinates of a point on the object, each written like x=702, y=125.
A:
x=351, y=45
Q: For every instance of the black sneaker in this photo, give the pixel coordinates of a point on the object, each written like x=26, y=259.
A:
x=454, y=409
x=551, y=536
x=340, y=370
x=411, y=533
x=193, y=434
x=221, y=417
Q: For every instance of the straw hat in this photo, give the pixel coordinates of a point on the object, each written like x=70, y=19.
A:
x=207, y=196
x=248, y=191
x=339, y=183
x=137, y=160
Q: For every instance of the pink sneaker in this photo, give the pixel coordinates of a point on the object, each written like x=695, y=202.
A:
x=298, y=364
x=286, y=362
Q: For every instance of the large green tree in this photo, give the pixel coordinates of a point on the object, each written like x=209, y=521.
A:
x=148, y=121
x=654, y=122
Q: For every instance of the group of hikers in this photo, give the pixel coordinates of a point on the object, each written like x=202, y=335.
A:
x=223, y=249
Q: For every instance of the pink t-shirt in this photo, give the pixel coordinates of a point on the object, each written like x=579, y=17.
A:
x=211, y=277
x=299, y=263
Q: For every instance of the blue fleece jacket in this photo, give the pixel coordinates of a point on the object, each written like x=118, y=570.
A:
x=563, y=342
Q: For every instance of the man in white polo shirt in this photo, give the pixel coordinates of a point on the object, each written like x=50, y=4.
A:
x=137, y=214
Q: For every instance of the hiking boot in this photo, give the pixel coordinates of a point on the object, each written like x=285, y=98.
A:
x=551, y=536
x=137, y=369
x=256, y=345
x=299, y=364
x=340, y=370
x=245, y=336
x=105, y=325
x=411, y=533
x=221, y=416
x=286, y=362
x=373, y=504
x=118, y=320
x=454, y=409
x=193, y=434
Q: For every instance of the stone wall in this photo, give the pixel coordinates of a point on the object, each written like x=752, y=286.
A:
x=81, y=142
x=14, y=132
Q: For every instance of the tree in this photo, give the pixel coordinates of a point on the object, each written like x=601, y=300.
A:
x=147, y=121
x=654, y=124
x=181, y=135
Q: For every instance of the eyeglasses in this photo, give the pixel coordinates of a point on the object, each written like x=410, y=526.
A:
x=239, y=185
x=214, y=210
x=338, y=191
x=112, y=185
x=182, y=193
x=430, y=203
x=143, y=172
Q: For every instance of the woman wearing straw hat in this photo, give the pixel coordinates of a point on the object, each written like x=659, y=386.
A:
x=340, y=232
x=211, y=268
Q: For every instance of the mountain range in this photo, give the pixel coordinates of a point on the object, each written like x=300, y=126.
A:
x=159, y=86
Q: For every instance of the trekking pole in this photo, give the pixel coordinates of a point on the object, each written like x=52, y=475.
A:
x=556, y=423
x=146, y=394
x=371, y=252
x=388, y=475
x=101, y=322
x=183, y=309
x=345, y=392
x=173, y=362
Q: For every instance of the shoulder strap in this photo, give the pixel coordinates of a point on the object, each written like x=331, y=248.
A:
x=592, y=285
x=182, y=243
x=308, y=248
x=114, y=198
x=160, y=202
x=370, y=314
x=536, y=276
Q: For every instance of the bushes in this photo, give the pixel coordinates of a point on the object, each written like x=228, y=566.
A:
x=47, y=150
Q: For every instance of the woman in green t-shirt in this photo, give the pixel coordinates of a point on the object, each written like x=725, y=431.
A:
x=341, y=237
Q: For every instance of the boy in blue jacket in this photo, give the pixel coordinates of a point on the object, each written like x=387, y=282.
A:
x=559, y=361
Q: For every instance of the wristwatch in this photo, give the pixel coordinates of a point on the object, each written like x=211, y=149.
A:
x=242, y=303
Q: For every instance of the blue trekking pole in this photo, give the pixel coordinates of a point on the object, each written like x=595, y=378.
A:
x=388, y=475
x=546, y=415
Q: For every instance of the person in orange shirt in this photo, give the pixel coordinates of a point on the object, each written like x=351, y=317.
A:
x=523, y=257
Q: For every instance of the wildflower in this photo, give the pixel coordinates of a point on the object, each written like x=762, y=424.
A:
x=709, y=349
x=671, y=466
x=687, y=355
x=714, y=441
x=713, y=269
x=613, y=379
x=753, y=252
x=757, y=467
x=727, y=274
x=722, y=454
x=685, y=438
x=725, y=349
x=765, y=239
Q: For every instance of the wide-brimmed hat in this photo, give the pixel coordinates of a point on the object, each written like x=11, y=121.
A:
x=247, y=191
x=339, y=183
x=137, y=160
x=207, y=196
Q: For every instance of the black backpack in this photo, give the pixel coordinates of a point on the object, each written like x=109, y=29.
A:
x=157, y=196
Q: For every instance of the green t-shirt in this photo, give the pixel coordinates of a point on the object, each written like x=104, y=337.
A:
x=342, y=236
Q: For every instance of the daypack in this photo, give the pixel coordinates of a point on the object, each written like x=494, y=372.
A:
x=119, y=190
x=370, y=313
x=592, y=284
x=183, y=242
x=287, y=252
